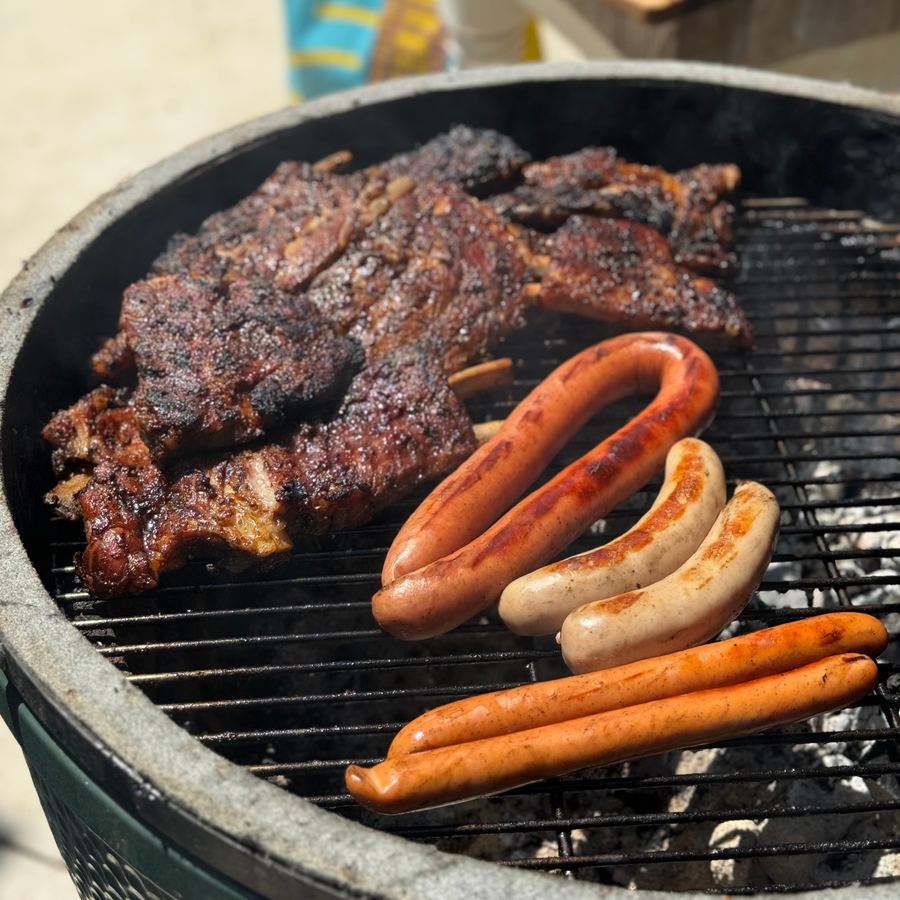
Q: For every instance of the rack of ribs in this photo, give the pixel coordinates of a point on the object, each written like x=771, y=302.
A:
x=616, y=270
x=319, y=320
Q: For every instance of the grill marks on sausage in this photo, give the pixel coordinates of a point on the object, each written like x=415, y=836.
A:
x=689, y=475
x=439, y=593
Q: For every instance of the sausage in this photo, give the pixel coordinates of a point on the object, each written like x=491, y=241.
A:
x=691, y=605
x=743, y=658
x=483, y=487
x=429, y=592
x=691, y=497
x=466, y=771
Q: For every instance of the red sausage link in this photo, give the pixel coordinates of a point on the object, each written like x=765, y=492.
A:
x=723, y=663
x=445, y=567
x=465, y=771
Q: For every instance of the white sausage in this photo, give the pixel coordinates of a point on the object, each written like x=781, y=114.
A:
x=691, y=497
x=691, y=605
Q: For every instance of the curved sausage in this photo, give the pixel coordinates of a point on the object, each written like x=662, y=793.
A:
x=470, y=499
x=691, y=605
x=739, y=659
x=427, y=594
x=465, y=771
x=691, y=497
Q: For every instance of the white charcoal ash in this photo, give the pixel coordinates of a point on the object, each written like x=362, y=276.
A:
x=783, y=793
x=851, y=824
x=738, y=834
x=800, y=387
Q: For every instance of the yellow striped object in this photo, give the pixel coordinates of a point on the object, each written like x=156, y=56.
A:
x=341, y=59
x=349, y=12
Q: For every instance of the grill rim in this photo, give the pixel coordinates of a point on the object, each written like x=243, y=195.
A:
x=116, y=733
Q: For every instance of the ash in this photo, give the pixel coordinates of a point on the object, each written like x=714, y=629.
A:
x=793, y=808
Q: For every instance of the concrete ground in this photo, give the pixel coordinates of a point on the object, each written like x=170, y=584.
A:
x=93, y=91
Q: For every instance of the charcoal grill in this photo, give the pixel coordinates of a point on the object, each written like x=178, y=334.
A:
x=285, y=676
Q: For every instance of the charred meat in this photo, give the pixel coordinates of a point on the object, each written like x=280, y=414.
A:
x=480, y=160
x=438, y=267
x=295, y=224
x=618, y=271
x=399, y=425
x=219, y=365
x=687, y=206
x=97, y=428
x=302, y=217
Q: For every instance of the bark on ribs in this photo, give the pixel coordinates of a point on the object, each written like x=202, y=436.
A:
x=686, y=206
x=438, y=266
x=618, y=271
x=479, y=160
x=296, y=224
x=100, y=427
x=300, y=219
x=431, y=265
x=400, y=424
x=220, y=365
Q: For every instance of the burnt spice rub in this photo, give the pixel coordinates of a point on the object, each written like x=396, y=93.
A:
x=276, y=325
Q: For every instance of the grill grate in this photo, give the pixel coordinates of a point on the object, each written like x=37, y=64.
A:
x=287, y=675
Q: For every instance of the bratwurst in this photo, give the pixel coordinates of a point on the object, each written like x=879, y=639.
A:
x=444, y=566
x=691, y=497
x=691, y=605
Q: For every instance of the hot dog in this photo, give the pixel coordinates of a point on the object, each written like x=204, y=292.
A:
x=689, y=606
x=691, y=497
x=427, y=594
x=739, y=659
x=465, y=771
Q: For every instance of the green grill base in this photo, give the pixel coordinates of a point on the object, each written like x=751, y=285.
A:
x=109, y=853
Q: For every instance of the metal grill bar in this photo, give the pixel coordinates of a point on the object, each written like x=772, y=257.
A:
x=667, y=818
x=659, y=856
x=630, y=783
x=302, y=685
x=395, y=663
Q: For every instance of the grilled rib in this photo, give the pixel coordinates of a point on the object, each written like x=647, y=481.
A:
x=100, y=427
x=301, y=218
x=400, y=424
x=686, y=206
x=221, y=364
x=438, y=266
x=618, y=271
x=424, y=278
x=479, y=160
